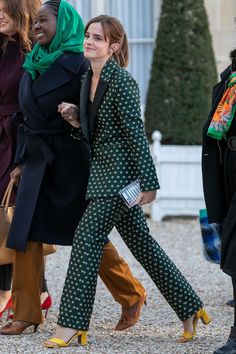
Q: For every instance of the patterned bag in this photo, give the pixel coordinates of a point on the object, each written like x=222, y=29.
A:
x=211, y=237
x=130, y=193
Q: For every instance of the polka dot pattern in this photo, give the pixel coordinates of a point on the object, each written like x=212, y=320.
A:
x=120, y=150
x=120, y=154
x=100, y=217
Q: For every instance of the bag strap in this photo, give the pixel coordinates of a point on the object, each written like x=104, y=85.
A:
x=7, y=195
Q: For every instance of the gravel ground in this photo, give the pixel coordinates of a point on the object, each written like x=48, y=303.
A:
x=158, y=327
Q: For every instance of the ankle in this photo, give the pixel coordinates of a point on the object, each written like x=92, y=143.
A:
x=44, y=296
x=4, y=299
x=188, y=324
x=65, y=333
x=5, y=295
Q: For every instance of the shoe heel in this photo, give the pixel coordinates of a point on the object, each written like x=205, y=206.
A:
x=9, y=316
x=82, y=338
x=205, y=318
x=36, y=327
x=46, y=313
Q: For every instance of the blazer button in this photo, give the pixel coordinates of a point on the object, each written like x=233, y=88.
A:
x=25, y=118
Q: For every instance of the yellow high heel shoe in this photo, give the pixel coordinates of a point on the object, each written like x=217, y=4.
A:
x=59, y=343
x=200, y=315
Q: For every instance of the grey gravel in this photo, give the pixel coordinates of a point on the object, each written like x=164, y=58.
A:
x=158, y=327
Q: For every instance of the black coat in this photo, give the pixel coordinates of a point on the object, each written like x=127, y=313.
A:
x=51, y=196
x=219, y=181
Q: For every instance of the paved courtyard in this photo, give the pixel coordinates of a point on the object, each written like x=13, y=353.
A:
x=159, y=327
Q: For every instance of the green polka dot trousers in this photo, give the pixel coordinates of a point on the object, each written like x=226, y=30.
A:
x=99, y=219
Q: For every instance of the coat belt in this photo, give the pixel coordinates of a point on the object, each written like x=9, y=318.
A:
x=6, y=109
x=33, y=172
x=37, y=137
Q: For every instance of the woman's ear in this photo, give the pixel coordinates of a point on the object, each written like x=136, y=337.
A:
x=114, y=47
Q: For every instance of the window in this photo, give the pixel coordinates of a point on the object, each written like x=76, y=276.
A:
x=140, y=20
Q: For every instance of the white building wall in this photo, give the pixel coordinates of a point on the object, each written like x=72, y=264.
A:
x=140, y=19
x=221, y=15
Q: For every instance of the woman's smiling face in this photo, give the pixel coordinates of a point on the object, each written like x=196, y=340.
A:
x=7, y=24
x=45, y=25
x=95, y=44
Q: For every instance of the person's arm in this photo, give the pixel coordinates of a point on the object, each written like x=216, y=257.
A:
x=128, y=105
x=21, y=140
x=15, y=175
x=70, y=112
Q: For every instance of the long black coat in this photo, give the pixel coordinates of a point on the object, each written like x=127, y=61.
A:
x=219, y=181
x=51, y=195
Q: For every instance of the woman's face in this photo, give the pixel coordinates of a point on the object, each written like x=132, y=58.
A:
x=7, y=24
x=45, y=25
x=95, y=44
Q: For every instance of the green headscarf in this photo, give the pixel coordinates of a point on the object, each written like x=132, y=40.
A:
x=68, y=38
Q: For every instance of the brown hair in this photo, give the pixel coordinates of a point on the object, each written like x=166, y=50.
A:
x=23, y=13
x=114, y=33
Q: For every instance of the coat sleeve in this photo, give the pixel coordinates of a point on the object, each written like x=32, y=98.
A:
x=128, y=104
x=77, y=133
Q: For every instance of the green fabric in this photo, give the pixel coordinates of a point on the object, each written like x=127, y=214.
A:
x=68, y=38
x=224, y=112
x=202, y=213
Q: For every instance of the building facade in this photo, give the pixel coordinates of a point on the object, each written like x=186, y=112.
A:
x=140, y=19
x=221, y=15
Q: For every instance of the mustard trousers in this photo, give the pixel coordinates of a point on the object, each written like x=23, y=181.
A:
x=27, y=280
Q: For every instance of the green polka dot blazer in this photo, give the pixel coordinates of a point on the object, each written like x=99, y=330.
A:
x=114, y=128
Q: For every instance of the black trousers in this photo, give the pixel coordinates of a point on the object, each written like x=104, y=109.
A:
x=234, y=288
x=6, y=278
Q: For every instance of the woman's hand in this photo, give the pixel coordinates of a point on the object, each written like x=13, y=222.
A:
x=15, y=175
x=70, y=112
x=146, y=197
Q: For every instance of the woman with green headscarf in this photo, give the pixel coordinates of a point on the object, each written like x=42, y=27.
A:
x=51, y=195
x=52, y=187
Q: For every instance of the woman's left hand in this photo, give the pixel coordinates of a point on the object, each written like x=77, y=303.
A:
x=146, y=197
x=69, y=112
x=15, y=174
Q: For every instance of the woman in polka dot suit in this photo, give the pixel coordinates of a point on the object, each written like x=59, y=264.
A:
x=110, y=120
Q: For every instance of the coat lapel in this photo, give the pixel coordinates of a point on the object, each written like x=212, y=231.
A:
x=84, y=102
x=57, y=76
x=51, y=79
x=88, y=120
x=26, y=97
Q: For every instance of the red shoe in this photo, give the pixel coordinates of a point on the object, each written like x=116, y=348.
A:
x=7, y=308
x=46, y=305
